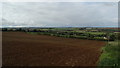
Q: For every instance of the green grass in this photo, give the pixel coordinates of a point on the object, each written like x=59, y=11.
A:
x=110, y=55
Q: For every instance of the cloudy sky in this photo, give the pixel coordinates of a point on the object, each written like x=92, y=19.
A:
x=60, y=14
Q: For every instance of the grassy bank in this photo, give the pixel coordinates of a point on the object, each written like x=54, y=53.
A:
x=110, y=55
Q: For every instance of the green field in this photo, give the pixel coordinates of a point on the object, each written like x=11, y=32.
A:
x=81, y=33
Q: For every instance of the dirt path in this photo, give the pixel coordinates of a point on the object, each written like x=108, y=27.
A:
x=21, y=49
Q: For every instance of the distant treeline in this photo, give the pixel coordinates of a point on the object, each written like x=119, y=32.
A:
x=80, y=33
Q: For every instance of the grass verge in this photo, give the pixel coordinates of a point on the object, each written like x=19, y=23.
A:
x=110, y=56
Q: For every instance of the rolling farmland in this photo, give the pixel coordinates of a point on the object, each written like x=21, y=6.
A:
x=22, y=49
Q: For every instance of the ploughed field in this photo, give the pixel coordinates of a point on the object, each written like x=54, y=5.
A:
x=22, y=49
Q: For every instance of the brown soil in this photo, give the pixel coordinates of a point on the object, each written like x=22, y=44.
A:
x=22, y=49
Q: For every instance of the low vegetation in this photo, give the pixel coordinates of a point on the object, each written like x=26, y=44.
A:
x=79, y=33
x=110, y=55
x=104, y=34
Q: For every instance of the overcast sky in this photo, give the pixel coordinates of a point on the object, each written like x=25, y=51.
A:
x=60, y=14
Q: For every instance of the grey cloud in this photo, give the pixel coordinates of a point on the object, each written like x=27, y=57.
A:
x=60, y=14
